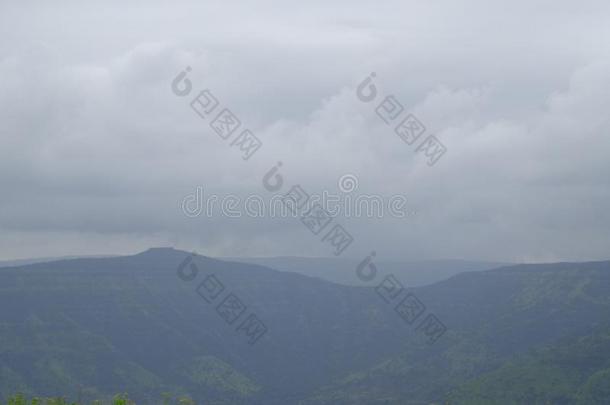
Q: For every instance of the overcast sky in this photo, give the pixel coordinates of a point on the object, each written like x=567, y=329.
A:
x=97, y=153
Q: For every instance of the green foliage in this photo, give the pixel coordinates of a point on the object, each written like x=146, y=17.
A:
x=596, y=391
x=573, y=372
x=212, y=372
x=18, y=399
x=119, y=399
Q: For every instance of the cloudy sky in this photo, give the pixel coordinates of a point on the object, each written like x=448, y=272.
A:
x=97, y=152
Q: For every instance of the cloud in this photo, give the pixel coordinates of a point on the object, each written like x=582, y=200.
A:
x=96, y=152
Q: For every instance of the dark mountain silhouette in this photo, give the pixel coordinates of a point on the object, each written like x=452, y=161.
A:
x=139, y=324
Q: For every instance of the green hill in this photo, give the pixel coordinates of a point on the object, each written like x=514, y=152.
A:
x=95, y=327
x=574, y=372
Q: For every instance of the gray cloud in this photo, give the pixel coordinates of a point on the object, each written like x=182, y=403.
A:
x=96, y=153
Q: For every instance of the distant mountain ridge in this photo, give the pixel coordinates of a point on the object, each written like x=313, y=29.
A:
x=24, y=262
x=336, y=270
x=342, y=271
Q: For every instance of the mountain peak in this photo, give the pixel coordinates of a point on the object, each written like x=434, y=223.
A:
x=162, y=252
x=160, y=249
x=166, y=252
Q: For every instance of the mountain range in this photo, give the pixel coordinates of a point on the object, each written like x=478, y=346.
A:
x=226, y=332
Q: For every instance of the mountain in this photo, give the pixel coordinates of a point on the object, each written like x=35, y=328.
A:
x=492, y=317
x=341, y=271
x=576, y=371
x=23, y=262
x=132, y=324
x=143, y=324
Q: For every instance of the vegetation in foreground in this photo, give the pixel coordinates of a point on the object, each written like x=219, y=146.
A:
x=120, y=399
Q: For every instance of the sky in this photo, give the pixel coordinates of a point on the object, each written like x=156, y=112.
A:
x=97, y=152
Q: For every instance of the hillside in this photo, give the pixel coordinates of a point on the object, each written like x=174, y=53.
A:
x=571, y=372
x=131, y=324
x=492, y=317
x=136, y=324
